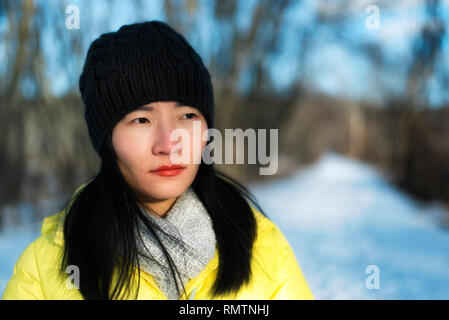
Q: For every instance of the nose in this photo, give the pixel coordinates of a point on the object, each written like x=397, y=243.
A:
x=163, y=145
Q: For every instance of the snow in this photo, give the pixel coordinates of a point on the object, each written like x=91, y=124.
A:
x=340, y=216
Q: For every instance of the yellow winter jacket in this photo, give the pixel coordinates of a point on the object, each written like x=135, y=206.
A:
x=276, y=273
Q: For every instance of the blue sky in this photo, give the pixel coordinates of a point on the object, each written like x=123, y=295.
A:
x=332, y=66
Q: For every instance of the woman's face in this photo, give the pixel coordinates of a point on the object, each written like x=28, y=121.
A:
x=141, y=141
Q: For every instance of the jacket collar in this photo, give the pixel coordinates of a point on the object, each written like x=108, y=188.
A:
x=54, y=225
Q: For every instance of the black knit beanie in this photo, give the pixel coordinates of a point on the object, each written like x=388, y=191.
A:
x=136, y=65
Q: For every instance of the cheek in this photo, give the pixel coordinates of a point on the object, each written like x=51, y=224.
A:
x=196, y=140
x=130, y=151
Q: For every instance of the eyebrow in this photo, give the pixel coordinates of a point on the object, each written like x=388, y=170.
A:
x=149, y=108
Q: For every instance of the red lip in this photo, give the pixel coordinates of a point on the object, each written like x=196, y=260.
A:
x=172, y=167
x=168, y=171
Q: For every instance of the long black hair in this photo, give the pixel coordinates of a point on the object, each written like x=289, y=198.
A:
x=100, y=221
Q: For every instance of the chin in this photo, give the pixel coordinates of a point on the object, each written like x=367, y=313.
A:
x=165, y=190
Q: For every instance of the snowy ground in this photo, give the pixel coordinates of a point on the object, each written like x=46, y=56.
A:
x=340, y=216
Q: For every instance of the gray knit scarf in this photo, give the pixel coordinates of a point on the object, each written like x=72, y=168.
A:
x=193, y=247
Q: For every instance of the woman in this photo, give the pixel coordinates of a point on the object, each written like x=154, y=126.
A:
x=138, y=230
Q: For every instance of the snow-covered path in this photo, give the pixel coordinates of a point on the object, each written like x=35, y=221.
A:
x=340, y=216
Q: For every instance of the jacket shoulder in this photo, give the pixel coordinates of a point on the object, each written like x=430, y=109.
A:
x=275, y=257
x=25, y=283
x=268, y=232
x=37, y=274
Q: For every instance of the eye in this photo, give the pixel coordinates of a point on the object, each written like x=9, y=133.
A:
x=192, y=115
x=141, y=120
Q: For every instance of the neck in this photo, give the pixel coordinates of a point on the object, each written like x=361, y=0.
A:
x=159, y=208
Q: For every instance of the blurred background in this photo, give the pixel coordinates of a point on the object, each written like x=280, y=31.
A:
x=357, y=89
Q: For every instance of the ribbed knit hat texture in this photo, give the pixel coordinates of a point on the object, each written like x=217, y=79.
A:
x=136, y=65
